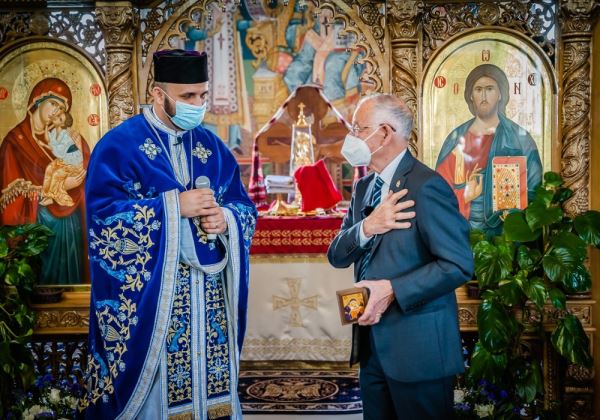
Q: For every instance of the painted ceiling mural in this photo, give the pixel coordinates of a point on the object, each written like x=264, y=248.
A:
x=259, y=53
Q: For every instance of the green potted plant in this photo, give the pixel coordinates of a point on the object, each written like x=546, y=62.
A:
x=19, y=250
x=538, y=258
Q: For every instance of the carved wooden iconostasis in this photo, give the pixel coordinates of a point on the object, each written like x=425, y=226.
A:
x=261, y=50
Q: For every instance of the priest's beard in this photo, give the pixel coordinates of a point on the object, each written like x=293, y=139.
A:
x=169, y=108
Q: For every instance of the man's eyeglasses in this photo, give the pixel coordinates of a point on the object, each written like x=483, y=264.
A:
x=356, y=129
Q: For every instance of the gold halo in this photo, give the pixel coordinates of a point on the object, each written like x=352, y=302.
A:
x=38, y=71
x=24, y=65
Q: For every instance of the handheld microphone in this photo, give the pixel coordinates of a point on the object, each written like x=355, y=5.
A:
x=203, y=182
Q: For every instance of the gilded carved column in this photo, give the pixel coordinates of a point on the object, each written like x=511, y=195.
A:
x=119, y=23
x=403, y=18
x=576, y=27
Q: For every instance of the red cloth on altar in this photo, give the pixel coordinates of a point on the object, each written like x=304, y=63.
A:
x=294, y=235
x=317, y=187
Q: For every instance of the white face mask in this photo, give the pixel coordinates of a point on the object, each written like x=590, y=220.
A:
x=356, y=151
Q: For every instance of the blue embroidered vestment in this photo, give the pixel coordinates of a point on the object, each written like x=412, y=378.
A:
x=168, y=305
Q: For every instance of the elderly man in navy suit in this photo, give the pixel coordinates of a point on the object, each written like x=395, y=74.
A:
x=407, y=341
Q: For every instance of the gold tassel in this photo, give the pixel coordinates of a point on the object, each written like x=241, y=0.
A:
x=219, y=410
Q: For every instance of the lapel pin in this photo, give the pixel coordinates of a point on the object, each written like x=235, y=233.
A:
x=398, y=184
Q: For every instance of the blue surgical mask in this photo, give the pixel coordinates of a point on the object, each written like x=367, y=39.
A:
x=187, y=116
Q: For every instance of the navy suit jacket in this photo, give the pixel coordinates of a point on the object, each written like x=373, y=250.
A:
x=418, y=336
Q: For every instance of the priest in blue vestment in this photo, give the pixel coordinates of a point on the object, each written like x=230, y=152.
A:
x=170, y=226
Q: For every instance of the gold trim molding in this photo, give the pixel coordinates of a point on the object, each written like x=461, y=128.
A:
x=314, y=349
x=62, y=322
x=71, y=315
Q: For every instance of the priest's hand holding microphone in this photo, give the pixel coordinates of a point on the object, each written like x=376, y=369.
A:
x=200, y=202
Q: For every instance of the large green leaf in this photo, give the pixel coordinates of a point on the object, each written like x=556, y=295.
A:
x=536, y=376
x=521, y=278
x=587, y=226
x=492, y=262
x=529, y=382
x=24, y=317
x=528, y=258
x=559, y=263
x=552, y=179
x=24, y=268
x=535, y=289
x=509, y=292
x=496, y=325
x=562, y=194
x=558, y=298
x=539, y=215
x=572, y=242
x=35, y=246
x=542, y=195
x=517, y=229
x=488, y=366
x=570, y=340
x=578, y=280
x=12, y=275
x=489, y=295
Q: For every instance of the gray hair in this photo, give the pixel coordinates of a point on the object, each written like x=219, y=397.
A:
x=391, y=110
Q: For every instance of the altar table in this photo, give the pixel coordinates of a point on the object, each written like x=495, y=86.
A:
x=292, y=308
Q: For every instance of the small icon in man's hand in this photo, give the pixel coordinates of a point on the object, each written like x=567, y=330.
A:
x=352, y=303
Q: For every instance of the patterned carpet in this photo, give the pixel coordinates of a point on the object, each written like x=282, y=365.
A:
x=299, y=392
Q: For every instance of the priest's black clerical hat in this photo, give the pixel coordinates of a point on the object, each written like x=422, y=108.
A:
x=180, y=66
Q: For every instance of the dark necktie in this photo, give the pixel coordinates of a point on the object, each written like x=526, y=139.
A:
x=375, y=199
